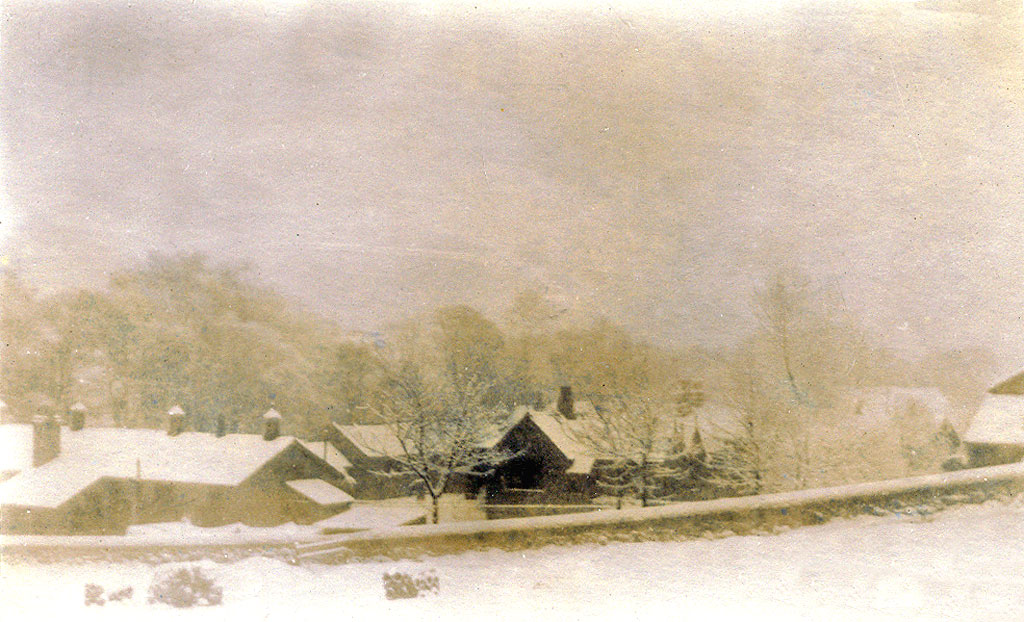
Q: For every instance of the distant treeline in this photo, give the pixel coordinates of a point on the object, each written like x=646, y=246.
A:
x=180, y=330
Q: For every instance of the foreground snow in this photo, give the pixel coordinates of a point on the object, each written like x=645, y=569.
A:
x=966, y=564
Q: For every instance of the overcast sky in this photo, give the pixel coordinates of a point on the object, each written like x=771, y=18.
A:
x=648, y=163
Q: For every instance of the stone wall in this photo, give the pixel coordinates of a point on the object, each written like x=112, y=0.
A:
x=915, y=497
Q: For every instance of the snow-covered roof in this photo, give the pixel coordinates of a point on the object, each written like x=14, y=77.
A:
x=564, y=434
x=15, y=447
x=715, y=421
x=329, y=453
x=1011, y=386
x=176, y=410
x=372, y=516
x=319, y=491
x=999, y=421
x=271, y=414
x=93, y=453
x=375, y=441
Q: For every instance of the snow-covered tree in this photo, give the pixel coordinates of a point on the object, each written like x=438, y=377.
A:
x=637, y=451
x=437, y=431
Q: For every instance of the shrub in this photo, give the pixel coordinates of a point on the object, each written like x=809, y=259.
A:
x=122, y=594
x=403, y=585
x=94, y=595
x=185, y=587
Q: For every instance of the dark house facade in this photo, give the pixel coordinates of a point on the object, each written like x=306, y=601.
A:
x=546, y=465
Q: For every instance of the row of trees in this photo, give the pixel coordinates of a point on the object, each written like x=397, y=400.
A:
x=177, y=331
x=795, y=383
x=180, y=330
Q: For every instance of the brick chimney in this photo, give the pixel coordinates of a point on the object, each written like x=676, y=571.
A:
x=175, y=421
x=76, y=416
x=565, y=403
x=271, y=425
x=45, y=439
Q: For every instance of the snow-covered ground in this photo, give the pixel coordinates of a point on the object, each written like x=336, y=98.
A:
x=965, y=564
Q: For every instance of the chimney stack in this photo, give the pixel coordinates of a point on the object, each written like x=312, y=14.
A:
x=45, y=439
x=271, y=425
x=76, y=416
x=565, y=403
x=175, y=421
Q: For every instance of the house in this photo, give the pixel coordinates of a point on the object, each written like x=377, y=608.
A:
x=100, y=480
x=553, y=459
x=546, y=460
x=544, y=456
x=996, y=433
x=330, y=454
x=366, y=447
x=372, y=453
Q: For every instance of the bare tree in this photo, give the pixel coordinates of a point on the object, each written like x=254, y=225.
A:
x=437, y=432
x=635, y=444
x=783, y=384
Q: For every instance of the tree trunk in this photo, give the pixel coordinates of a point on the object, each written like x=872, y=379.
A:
x=643, y=482
x=435, y=509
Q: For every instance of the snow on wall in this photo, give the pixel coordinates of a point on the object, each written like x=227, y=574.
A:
x=672, y=522
x=692, y=518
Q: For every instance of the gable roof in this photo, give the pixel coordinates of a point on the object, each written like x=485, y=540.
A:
x=330, y=454
x=560, y=431
x=94, y=453
x=320, y=492
x=714, y=420
x=999, y=421
x=1011, y=386
x=374, y=441
x=563, y=433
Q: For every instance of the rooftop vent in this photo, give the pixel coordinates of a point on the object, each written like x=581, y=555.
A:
x=565, y=405
x=271, y=425
x=175, y=421
x=76, y=416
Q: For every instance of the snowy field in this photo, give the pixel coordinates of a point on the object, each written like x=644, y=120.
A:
x=965, y=564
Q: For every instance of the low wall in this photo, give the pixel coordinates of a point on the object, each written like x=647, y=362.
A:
x=526, y=510
x=917, y=496
x=58, y=549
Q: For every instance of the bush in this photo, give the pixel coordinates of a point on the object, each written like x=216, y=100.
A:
x=403, y=585
x=94, y=595
x=122, y=594
x=185, y=587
